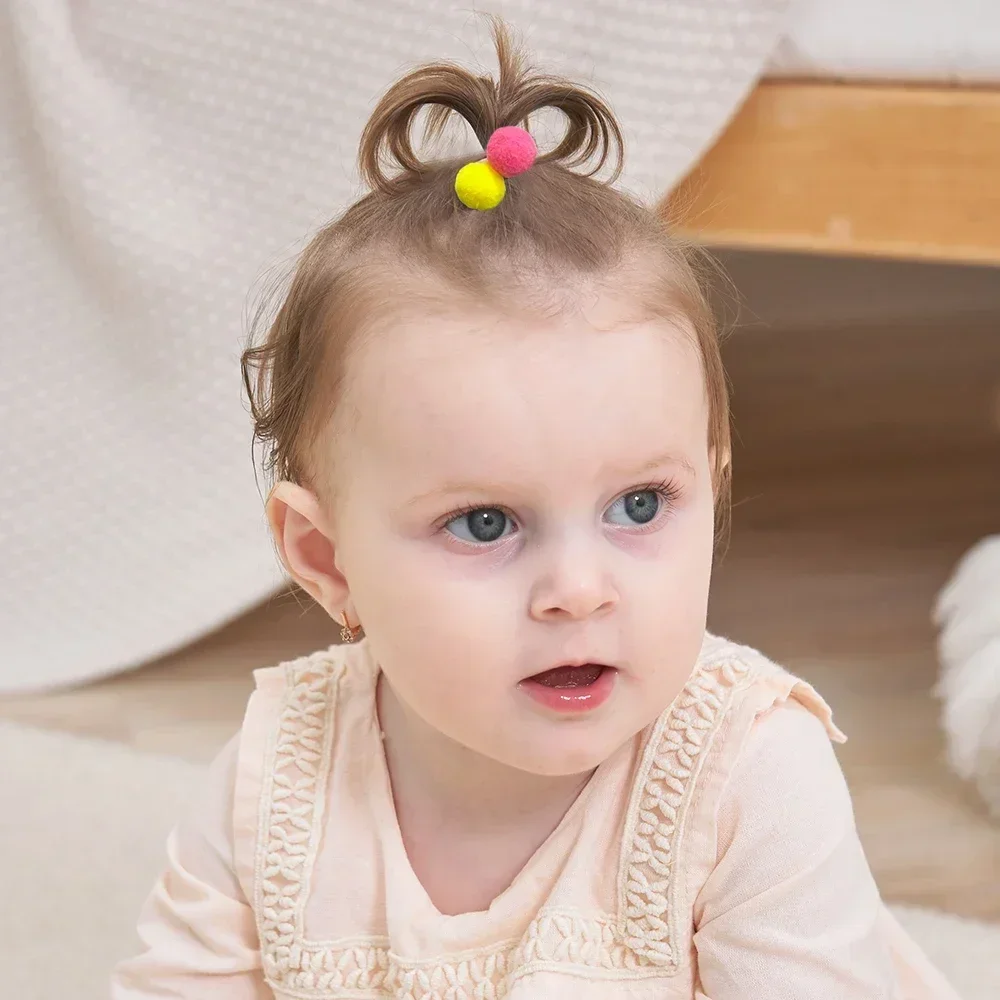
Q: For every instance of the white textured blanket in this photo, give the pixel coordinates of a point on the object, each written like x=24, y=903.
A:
x=158, y=156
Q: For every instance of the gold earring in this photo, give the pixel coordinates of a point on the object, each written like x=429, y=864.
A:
x=348, y=632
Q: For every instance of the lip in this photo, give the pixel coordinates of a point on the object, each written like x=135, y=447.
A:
x=575, y=700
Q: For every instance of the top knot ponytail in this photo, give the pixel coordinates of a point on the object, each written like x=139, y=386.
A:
x=593, y=137
x=558, y=236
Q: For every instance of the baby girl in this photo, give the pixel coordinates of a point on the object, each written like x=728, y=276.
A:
x=496, y=419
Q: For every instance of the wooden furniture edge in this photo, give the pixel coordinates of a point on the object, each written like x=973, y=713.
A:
x=875, y=169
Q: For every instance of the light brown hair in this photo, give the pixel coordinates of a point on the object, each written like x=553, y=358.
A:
x=557, y=225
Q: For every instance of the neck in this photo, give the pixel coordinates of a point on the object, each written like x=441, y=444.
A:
x=463, y=788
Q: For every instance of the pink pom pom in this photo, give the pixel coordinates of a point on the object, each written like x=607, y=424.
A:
x=511, y=151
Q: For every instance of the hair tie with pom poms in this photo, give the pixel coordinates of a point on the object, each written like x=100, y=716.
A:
x=509, y=152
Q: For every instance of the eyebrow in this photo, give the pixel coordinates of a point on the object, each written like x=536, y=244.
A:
x=448, y=489
x=659, y=462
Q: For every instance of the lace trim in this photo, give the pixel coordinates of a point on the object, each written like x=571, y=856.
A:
x=554, y=940
x=655, y=821
x=292, y=800
x=639, y=944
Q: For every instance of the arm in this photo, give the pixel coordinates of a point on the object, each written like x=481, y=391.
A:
x=791, y=911
x=197, y=929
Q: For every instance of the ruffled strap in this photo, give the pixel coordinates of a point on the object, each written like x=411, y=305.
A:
x=255, y=751
x=669, y=843
x=777, y=686
x=282, y=774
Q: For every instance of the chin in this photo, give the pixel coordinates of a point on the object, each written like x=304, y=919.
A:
x=563, y=768
x=577, y=753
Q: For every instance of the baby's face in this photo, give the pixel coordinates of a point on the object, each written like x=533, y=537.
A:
x=516, y=499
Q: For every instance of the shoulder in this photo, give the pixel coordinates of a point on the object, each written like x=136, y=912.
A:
x=291, y=702
x=768, y=725
x=777, y=771
x=303, y=688
x=786, y=778
x=779, y=824
x=312, y=669
x=739, y=715
x=756, y=687
x=718, y=720
x=772, y=767
x=731, y=689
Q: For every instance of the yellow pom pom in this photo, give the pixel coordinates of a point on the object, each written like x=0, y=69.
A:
x=479, y=186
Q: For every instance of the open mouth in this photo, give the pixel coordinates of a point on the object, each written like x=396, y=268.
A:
x=572, y=687
x=569, y=676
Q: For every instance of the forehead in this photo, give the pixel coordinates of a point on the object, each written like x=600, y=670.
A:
x=483, y=397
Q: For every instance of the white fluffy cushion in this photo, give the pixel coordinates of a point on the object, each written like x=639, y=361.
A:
x=968, y=615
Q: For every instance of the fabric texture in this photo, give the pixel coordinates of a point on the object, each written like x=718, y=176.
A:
x=714, y=856
x=926, y=41
x=162, y=161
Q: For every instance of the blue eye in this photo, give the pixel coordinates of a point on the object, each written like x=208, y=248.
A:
x=482, y=525
x=636, y=508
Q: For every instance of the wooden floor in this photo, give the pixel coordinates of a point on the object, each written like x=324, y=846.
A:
x=868, y=461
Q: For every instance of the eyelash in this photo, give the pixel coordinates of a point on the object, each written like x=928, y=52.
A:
x=666, y=490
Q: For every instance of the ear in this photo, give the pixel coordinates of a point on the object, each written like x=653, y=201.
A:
x=302, y=533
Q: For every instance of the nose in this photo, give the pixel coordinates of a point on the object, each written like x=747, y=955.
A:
x=575, y=584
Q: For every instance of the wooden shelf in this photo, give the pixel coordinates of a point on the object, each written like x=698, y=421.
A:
x=844, y=168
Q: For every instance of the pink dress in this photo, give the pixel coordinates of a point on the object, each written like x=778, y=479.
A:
x=713, y=857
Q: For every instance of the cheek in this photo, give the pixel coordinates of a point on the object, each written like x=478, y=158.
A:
x=446, y=585
x=428, y=603
x=667, y=579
